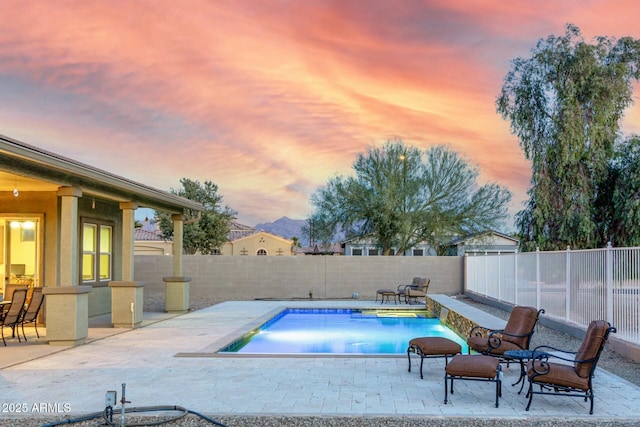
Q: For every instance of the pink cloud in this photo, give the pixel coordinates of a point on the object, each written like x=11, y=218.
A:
x=269, y=99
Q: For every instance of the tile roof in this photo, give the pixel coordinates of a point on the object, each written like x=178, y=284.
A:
x=146, y=235
x=238, y=231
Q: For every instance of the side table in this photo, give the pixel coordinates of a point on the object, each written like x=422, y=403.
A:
x=522, y=356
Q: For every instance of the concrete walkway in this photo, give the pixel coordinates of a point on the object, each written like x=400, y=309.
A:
x=73, y=381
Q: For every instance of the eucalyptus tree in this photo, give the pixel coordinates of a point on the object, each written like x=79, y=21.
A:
x=565, y=104
x=400, y=197
x=623, y=211
x=206, y=231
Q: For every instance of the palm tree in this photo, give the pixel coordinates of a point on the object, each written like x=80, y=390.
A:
x=296, y=244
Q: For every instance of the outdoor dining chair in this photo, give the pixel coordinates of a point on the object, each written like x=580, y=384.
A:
x=30, y=315
x=13, y=315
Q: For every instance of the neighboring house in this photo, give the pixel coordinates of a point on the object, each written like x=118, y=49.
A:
x=489, y=241
x=245, y=240
x=486, y=242
x=238, y=231
x=367, y=247
x=334, y=249
x=150, y=242
x=69, y=227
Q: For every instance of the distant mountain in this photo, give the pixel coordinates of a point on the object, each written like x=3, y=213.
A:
x=286, y=227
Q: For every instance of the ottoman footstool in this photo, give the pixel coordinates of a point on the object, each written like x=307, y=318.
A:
x=388, y=294
x=474, y=368
x=430, y=347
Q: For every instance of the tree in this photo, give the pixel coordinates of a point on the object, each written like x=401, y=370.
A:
x=622, y=212
x=296, y=244
x=402, y=201
x=206, y=231
x=565, y=104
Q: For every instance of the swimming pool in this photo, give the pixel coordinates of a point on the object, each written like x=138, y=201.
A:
x=341, y=332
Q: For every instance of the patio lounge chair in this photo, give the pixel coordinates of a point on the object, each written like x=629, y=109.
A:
x=420, y=292
x=560, y=379
x=30, y=315
x=516, y=335
x=416, y=283
x=11, y=318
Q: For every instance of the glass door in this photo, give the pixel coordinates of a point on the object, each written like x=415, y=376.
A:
x=20, y=253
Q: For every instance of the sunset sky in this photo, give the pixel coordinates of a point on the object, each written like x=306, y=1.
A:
x=269, y=99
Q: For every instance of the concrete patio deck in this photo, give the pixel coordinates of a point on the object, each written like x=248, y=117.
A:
x=73, y=381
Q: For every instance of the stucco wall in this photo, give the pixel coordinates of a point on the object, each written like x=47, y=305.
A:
x=224, y=278
x=249, y=246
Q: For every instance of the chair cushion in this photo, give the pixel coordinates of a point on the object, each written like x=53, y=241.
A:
x=474, y=366
x=521, y=322
x=433, y=346
x=559, y=374
x=591, y=345
x=481, y=344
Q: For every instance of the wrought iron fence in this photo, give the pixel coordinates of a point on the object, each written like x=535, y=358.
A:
x=575, y=286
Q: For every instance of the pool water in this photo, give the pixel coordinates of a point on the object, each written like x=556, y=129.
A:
x=341, y=332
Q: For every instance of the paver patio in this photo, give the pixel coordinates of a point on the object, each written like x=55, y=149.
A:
x=145, y=360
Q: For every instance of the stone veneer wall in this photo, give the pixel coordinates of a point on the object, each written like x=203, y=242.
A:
x=454, y=320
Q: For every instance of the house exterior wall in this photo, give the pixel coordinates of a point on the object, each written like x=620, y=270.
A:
x=250, y=245
x=44, y=204
x=488, y=243
x=152, y=247
x=105, y=211
x=370, y=249
x=225, y=278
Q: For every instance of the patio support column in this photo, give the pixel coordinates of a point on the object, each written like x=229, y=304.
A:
x=177, y=286
x=127, y=295
x=128, y=225
x=67, y=303
x=178, y=244
x=68, y=273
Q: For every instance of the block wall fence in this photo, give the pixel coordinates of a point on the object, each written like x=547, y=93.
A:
x=227, y=278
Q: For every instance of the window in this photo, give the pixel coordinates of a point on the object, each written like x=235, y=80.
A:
x=97, y=255
x=418, y=252
x=392, y=252
x=261, y=252
x=356, y=251
x=372, y=252
x=89, y=252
